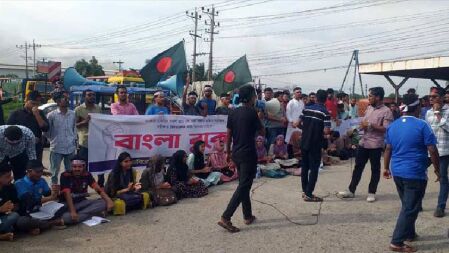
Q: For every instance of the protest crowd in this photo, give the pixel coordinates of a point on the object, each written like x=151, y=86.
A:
x=301, y=134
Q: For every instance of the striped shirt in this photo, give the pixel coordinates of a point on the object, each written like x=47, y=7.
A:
x=315, y=118
x=27, y=143
x=62, y=132
x=440, y=128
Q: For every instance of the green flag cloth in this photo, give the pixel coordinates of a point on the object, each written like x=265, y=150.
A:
x=166, y=64
x=232, y=77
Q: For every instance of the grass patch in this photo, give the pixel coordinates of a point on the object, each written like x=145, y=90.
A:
x=10, y=107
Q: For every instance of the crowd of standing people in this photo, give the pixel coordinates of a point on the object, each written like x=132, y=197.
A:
x=297, y=136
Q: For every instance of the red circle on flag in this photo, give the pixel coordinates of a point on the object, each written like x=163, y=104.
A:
x=229, y=77
x=164, y=64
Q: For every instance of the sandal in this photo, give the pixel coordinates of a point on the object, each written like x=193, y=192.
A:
x=7, y=237
x=228, y=226
x=250, y=220
x=403, y=248
x=312, y=199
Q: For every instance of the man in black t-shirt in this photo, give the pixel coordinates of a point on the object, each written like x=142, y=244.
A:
x=243, y=124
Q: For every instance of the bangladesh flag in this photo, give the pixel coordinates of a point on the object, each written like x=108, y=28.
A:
x=166, y=64
x=232, y=77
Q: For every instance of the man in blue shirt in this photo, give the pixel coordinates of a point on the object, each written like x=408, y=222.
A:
x=207, y=105
x=408, y=158
x=33, y=191
x=159, y=107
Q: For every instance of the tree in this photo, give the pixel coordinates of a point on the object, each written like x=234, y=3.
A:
x=91, y=68
x=9, y=76
x=392, y=95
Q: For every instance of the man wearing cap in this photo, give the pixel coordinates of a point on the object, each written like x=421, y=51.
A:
x=32, y=118
x=408, y=160
x=122, y=106
x=207, y=104
x=224, y=108
x=62, y=135
x=17, y=146
x=74, y=186
x=438, y=118
x=159, y=107
x=33, y=191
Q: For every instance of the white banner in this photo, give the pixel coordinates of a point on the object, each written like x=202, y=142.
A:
x=146, y=136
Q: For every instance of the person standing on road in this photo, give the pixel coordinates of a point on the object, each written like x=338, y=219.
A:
x=374, y=124
x=62, y=135
x=408, y=157
x=438, y=118
x=315, y=121
x=123, y=106
x=243, y=125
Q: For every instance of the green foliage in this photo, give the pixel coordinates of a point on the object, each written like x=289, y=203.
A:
x=91, y=68
x=200, y=72
x=9, y=76
x=10, y=107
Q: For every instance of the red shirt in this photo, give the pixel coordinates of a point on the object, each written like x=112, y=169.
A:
x=331, y=106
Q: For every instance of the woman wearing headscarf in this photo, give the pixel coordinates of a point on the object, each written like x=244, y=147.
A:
x=153, y=181
x=262, y=156
x=279, y=151
x=121, y=183
x=217, y=161
x=197, y=165
x=179, y=178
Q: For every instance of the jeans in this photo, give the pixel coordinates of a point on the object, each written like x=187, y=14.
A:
x=18, y=164
x=84, y=153
x=55, y=164
x=247, y=171
x=363, y=154
x=7, y=222
x=444, y=184
x=411, y=192
x=311, y=160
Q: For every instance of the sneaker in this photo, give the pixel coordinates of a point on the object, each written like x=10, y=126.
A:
x=345, y=194
x=439, y=213
x=371, y=197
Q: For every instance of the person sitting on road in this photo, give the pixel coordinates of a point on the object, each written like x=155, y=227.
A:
x=278, y=149
x=184, y=185
x=121, y=183
x=33, y=191
x=74, y=186
x=153, y=181
x=217, y=161
x=262, y=155
x=197, y=165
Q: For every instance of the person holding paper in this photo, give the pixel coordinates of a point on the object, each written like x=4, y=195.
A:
x=74, y=186
x=33, y=191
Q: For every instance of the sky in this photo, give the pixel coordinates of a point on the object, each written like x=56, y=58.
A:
x=283, y=40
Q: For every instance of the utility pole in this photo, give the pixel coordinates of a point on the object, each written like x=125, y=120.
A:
x=25, y=46
x=212, y=13
x=355, y=58
x=34, y=57
x=195, y=35
x=119, y=62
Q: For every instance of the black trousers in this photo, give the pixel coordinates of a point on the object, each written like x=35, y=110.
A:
x=311, y=160
x=39, y=150
x=247, y=171
x=362, y=157
x=18, y=164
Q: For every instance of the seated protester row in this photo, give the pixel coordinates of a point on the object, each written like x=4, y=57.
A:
x=158, y=108
x=181, y=181
x=218, y=162
x=153, y=181
x=122, y=184
x=33, y=191
x=10, y=219
x=198, y=167
x=74, y=186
